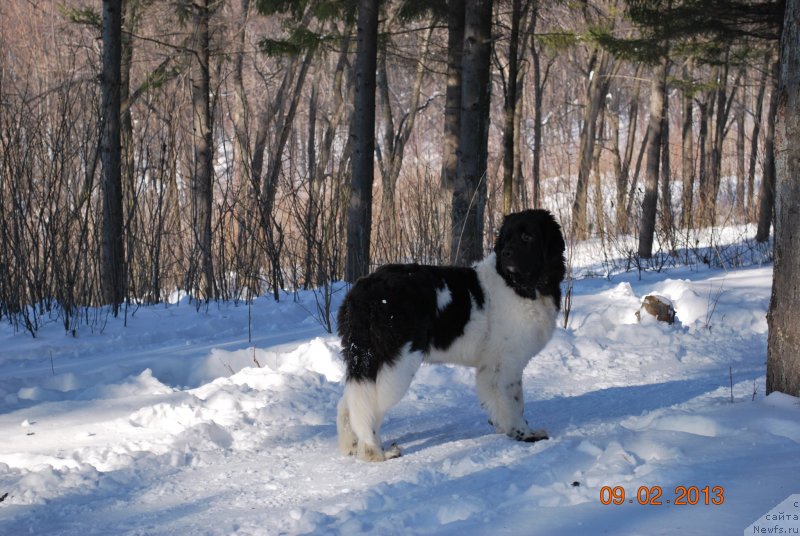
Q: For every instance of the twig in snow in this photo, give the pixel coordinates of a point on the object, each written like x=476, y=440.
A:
x=227, y=366
x=730, y=372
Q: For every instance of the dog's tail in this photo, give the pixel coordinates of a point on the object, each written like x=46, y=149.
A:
x=354, y=329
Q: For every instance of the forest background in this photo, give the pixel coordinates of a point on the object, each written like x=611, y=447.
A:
x=223, y=148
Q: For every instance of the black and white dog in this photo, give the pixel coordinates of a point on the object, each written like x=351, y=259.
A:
x=494, y=316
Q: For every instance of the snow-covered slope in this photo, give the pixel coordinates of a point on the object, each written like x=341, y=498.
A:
x=177, y=424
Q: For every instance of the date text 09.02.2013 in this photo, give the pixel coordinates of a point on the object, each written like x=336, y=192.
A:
x=654, y=496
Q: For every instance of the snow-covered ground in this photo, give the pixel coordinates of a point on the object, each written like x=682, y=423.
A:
x=178, y=424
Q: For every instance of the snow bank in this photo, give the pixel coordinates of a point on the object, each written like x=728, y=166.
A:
x=181, y=424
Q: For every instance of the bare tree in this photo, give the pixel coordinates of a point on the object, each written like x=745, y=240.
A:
x=469, y=192
x=391, y=150
x=783, y=361
x=667, y=216
x=740, y=137
x=452, y=106
x=112, y=265
x=705, y=141
x=767, y=199
x=510, y=106
x=650, y=201
x=719, y=103
x=597, y=73
x=687, y=146
x=203, y=164
x=540, y=77
x=362, y=137
x=751, y=171
x=622, y=160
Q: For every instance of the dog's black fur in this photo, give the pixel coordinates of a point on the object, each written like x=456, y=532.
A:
x=396, y=305
x=530, y=254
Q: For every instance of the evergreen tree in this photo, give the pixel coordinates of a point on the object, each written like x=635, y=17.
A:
x=700, y=30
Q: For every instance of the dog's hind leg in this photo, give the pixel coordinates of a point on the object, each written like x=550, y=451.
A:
x=393, y=382
x=362, y=420
x=365, y=403
x=348, y=441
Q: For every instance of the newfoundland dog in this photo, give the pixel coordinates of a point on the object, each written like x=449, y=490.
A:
x=494, y=316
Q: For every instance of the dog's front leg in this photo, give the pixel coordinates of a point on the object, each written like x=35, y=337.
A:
x=500, y=393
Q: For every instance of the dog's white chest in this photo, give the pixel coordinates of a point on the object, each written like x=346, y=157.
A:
x=522, y=329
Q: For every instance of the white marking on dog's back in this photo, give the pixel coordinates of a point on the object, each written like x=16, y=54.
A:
x=443, y=298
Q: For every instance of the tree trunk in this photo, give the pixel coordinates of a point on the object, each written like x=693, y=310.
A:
x=243, y=158
x=767, y=201
x=622, y=163
x=539, y=81
x=269, y=187
x=719, y=139
x=599, y=209
x=241, y=109
x=385, y=152
x=714, y=157
x=705, y=140
x=362, y=136
x=310, y=225
x=130, y=23
x=509, y=108
x=469, y=192
x=634, y=181
x=112, y=264
x=521, y=200
x=452, y=105
x=783, y=351
x=687, y=152
x=339, y=108
x=202, y=267
x=667, y=218
x=650, y=201
x=740, y=135
x=616, y=162
x=751, y=172
x=595, y=97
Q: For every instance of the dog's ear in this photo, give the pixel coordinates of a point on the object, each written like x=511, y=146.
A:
x=554, y=238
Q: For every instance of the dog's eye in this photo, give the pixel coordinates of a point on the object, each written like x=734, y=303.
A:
x=526, y=237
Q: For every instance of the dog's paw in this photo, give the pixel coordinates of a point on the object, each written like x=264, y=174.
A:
x=369, y=453
x=392, y=452
x=349, y=449
x=529, y=436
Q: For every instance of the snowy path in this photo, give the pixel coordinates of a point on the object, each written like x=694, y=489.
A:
x=144, y=430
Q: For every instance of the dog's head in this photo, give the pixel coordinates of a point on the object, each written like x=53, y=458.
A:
x=530, y=253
